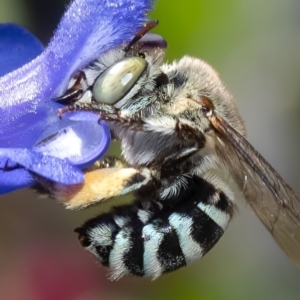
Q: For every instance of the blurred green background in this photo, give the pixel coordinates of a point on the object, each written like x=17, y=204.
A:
x=255, y=46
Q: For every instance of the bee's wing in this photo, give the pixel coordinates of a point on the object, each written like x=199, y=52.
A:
x=271, y=198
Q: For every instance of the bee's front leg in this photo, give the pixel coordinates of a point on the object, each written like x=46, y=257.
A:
x=105, y=111
x=105, y=179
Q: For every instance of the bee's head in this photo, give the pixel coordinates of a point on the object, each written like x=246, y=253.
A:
x=121, y=76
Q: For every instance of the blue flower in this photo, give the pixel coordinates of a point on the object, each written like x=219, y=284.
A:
x=33, y=140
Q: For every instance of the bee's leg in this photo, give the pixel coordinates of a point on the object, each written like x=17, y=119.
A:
x=105, y=111
x=101, y=183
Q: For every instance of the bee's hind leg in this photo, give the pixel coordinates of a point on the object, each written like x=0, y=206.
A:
x=105, y=179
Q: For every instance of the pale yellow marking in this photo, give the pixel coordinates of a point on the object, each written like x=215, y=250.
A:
x=100, y=185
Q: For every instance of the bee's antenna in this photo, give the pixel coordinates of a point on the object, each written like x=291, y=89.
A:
x=146, y=28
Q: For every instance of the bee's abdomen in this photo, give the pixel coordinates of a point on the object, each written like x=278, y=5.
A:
x=150, y=238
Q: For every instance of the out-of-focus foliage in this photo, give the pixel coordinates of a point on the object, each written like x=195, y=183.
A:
x=255, y=46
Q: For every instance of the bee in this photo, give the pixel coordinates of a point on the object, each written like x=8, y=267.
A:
x=185, y=158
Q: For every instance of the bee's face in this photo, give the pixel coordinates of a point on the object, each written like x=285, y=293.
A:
x=185, y=155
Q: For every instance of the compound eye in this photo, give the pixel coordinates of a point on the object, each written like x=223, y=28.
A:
x=115, y=82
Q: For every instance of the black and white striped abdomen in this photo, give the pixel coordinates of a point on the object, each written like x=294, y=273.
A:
x=150, y=238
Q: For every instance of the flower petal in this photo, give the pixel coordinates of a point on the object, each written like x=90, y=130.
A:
x=17, y=47
x=14, y=179
x=88, y=29
x=82, y=142
x=53, y=168
x=28, y=115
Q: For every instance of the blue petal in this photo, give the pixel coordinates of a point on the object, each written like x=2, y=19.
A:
x=17, y=47
x=15, y=179
x=53, y=168
x=28, y=116
x=82, y=142
x=88, y=29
